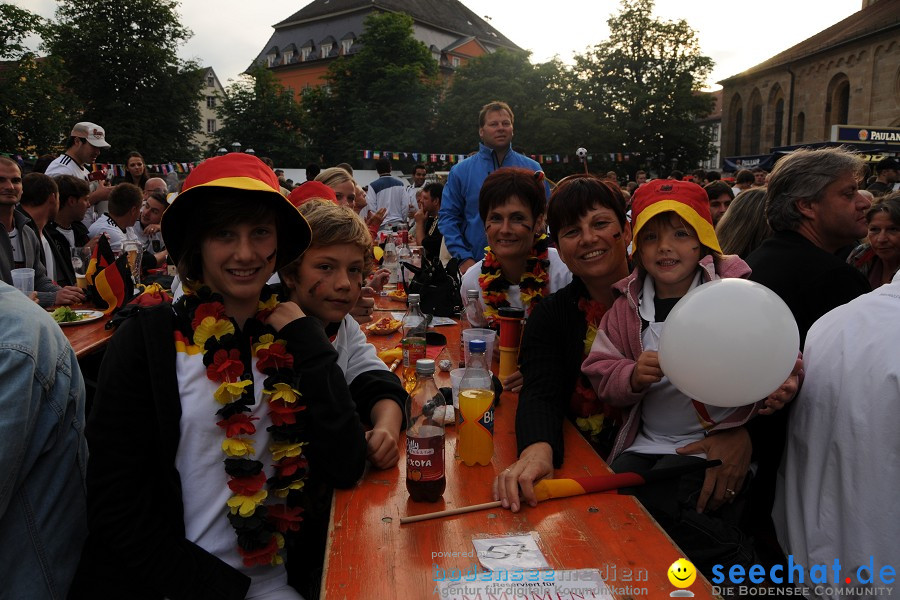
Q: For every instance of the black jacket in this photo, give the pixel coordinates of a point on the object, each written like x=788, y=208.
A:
x=59, y=245
x=550, y=361
x=137, y=546
x=810, y=280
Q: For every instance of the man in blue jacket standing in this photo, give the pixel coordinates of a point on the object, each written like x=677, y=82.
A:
x=459, y=220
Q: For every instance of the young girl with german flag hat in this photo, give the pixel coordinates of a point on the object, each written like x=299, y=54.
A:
x=675, y=250
x=212, y=416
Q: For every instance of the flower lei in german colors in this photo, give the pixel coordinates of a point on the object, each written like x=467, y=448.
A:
x=203, y=323
x=595, y=419
x=532, y=287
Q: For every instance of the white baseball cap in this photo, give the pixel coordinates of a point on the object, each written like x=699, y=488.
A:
x=92, y=132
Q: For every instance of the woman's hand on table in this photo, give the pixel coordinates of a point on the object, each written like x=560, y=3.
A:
x=364, y=307
x=722, y=483
x=382, y=447
x=513, y=383
x=786, y=392
x=283, y=314
x=535, y=463
x=69, y=295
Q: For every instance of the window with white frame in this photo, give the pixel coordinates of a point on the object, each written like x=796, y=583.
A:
x=288, y=56
x=210, y=80
x=210, y=126
x=270, y=60
x=454, y=61
x=326, y=50
x=210, y=102
x=346, y=44
x=304, y=53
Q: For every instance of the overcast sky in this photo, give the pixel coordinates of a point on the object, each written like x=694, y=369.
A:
x=228, y=34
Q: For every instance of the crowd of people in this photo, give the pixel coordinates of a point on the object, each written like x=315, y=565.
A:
x=223, y=420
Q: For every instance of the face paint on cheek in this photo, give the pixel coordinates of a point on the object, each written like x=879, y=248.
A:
x=312, y=291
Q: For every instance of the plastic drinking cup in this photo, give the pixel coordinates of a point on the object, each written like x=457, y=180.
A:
x=488, y=335
x=23, y=280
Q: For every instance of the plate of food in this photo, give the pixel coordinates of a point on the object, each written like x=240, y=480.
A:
x=384, y=326
x=397, y=295
x=66, y=316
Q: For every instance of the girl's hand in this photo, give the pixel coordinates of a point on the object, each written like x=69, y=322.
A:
x=646, y=371
x=786, y=392
x=283, y=314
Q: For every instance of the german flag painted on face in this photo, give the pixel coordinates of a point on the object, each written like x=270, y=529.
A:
x=101, y=257
x=112, y=287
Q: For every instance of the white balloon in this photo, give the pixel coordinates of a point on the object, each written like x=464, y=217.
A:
x=729, y=342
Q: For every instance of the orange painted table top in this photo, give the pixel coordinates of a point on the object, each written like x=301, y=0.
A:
x=370, y=555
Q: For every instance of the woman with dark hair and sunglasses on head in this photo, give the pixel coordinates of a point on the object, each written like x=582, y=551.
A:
x=519, y=268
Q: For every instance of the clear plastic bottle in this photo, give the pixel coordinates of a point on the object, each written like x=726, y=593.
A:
x=476, y=407
x=404, y=254
x=390, y=260
x=425, y=473
x=471, y=311
x=413, y=340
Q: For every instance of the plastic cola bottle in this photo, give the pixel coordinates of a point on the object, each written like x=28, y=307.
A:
x=425, y=474
x=476, y=409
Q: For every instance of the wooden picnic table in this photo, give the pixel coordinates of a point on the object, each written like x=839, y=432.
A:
x=88, y=338
x=370, y=555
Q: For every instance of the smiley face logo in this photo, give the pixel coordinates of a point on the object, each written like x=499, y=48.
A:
x=682, y=573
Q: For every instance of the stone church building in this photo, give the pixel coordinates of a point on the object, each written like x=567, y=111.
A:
x=846, y=75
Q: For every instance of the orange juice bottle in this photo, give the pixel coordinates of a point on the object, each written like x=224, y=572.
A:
x=476, y=409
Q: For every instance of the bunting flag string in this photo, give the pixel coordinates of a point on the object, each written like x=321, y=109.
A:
x=438, y=158
x=118, y=170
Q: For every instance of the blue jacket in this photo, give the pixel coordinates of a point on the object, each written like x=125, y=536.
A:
x=459, y=220
x=43, y=512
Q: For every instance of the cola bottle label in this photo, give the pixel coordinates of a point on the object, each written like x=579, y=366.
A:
x=425, y=457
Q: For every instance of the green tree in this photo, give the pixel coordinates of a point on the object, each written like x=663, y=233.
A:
x=382, y=97
x=540, y=96
x=16, y=24
x=121, y=57
x=33, y=103
x=645, y=80
x=259, y=113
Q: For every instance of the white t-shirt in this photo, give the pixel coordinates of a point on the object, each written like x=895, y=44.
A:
x=668, y=418
x=560, y=276
x=66, y=165
x=355, y=354
x=69, y=234
x=205, y=491
x=49, y=263
x=116, y=234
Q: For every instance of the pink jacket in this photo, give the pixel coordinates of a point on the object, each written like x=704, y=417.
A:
x=618, y=345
